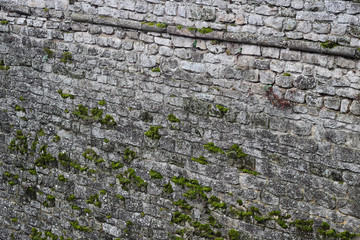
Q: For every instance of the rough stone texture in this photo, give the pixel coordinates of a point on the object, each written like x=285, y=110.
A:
x=291, y=105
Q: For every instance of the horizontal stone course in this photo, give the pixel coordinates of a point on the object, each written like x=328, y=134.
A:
x=101, y=84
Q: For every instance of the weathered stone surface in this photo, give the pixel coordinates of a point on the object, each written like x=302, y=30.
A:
x=175, y=76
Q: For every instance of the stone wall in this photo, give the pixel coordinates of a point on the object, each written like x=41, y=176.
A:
x=179, y=119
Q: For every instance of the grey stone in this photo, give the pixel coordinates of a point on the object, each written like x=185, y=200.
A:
x=303, y=82
x=332, y=103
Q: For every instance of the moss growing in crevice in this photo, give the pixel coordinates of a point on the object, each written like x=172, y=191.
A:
x=129, y=155
x=128, y=178
x=212, y=148
x=153, y=132
x=92, y=156
x=45, y=158
x=17, y=108
x=250, y=172
x=168, y=188
x=196, y=190
x=12, y=179
x=216, y=204
x=329, y=44
x=3, y=66
x=155, y=175
x=94, y=199
x=204, y=30
x=49, y=53
x=76, y=226
x=172, y=118
x=116, y=165
x=67, y=57
x=303, y=225
x=183, y=204
x=65, y=95
x=201, y=160
x=19, y=144
x=180, y=218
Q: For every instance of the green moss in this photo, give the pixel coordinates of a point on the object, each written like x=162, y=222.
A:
x=179, y=218
x=213, y=222
x=96, y=114
x=205, y=30
x=183, y=204
x=239, y=201
x=122, y=198
x=17, y=108
x=3, y=66
x=76, y=226
x=233, y=234
x=75, y=207
x=32, y=171
x=201, y=160
x=108, y=120
x=41, y=132
x=14, y=220
x=153, y=132
x=129, y=155
x=216, y=204
x=151, y=24
x=129, y=178
x=116, y=165
x=102, y=102
x=45, y=158
x=280, y=218
x=192, y=29
x=212, y=148
x=19, y=144
x=194, y=43
x=329, y=44
x=235, y=152
x=91, y=155
x=250, y=172
x=49, y=52
x=62, y=178
x=155, y=175
x=161, y=25
x=157, y=69
x=56, y=138
x=67, y=57
x=168, y=188
x=204, y=230
x=50, y=197
x=4, y=22
x=259, y=219
x=286, y=74
x=102, y=191
x=303, y=225
x=11, y=178
x=65, y=95
x=223, y=110
x=71, y=198
x=180, y=27
x=195, y=189
x=21, y=98
x=172, y=118
x=86, y=210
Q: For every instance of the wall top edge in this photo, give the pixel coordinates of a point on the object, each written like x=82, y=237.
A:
x=242, y=37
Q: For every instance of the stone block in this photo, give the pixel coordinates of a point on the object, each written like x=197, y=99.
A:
x=251, y=50
x=332, y=103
